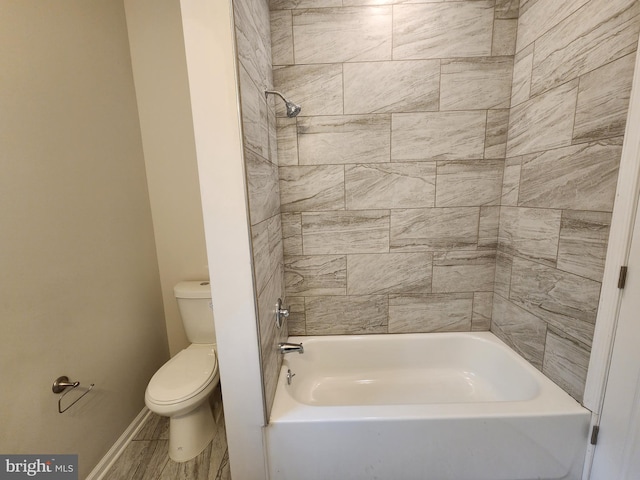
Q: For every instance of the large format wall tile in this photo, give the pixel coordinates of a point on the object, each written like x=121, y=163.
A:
x=443, y=30
x=346, y=315
x=429, y=229
x=482, y=309
x=438, y=136
x=543, y=122
x=521, y=330
x=504, y=264
x=287, y=141
x=511, y=181
x=292, y=233
x=566, y=301
x=504, y=37
x=430, y=313
x=255, y=124
x=495, y=145
x=601, y=32
x=390, y=185
x=522, y=68
x=317, y=88
x=489, y=227
x=292, y=4
x=262, y=179
x=282, y=37
x=583, y=243
x=344, y=139
x=369, y=274
x=566, y=362
x=253, y=38
x=539, y=16
x=348, y=34
x=580, y=177
x=603, y=100
x=530, y=232
x=364, y=231
x=469, y=184
x=316, y=275
x=400, y=86
x=475, y=83
x=297, y=319
x=311, y=188
x=464, y=271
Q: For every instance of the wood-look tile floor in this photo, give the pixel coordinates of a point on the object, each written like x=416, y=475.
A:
x=147, y=456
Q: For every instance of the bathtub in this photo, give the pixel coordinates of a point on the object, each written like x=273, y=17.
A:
x=437, y=406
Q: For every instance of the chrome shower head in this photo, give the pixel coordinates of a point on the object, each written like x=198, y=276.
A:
x=292, y=109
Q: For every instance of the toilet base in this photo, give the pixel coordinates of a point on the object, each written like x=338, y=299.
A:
x=189, y=434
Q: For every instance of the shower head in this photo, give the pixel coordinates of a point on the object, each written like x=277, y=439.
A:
x=292, y=109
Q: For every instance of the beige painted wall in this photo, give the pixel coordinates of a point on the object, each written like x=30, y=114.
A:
x=164, y=106
x=79, y=290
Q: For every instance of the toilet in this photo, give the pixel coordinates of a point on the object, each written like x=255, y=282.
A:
x=181, y=388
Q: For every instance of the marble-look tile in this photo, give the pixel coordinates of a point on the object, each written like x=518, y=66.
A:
x=369, y=274
x=316, y=275
x=347, y=315
x=255, y=123
x=495, y=144
x=347, y=34
x=543, y=122
x=464, y=271
x=287, y=141
x=521, y=85
x=387, y=87
x=530, y=232
x=566, y=362
x=260, y=248
x=430, y=313
x=583, y=243
x=502, y=285
x=504, y=37
x=603, y=101
x=539, y=16
x=297, y=320
x=482, y=308
x=600, y=32
x=507, y=9
x=469, y=184
x=511, y=181
x=580, y=177
x=438, y=136
x=429, y=229
x=442, y=30
x=565, y=301
x=344, y=139
x=292, y=4
x=281, y=37
x=292, y=233
x=521, y=330
x=311, y=188
x=262, y=180
x=274, y=230
x=359, y=231
x=269, y=334
x=316, y=88
x=390, y=185
x=488, y=228
x=224, y=473
x=475, y=83
x=253, y=38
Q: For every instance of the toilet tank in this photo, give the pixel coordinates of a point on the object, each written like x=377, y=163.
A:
x=194, y=303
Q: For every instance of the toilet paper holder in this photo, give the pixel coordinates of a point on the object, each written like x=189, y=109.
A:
x=63, y=386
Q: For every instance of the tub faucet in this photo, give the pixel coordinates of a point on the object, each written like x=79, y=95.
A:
x=290, y=347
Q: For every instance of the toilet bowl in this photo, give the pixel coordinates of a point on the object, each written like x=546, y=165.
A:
x=180, y=389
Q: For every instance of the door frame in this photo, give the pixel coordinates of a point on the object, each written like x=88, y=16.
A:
x=622, y=224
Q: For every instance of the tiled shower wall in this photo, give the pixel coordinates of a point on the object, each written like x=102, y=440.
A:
x=261, y=165
x=571, y=84
x=391, y=177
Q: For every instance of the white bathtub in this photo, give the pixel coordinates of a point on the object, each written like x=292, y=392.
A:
x=443, y=406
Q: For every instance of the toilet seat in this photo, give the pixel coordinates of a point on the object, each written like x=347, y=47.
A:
x=184, y=376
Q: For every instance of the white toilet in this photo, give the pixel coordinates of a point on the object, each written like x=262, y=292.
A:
x=181, y=388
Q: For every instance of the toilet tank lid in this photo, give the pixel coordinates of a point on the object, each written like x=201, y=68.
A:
x=193, y=289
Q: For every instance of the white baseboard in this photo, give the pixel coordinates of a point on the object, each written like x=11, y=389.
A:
x=116, y=450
